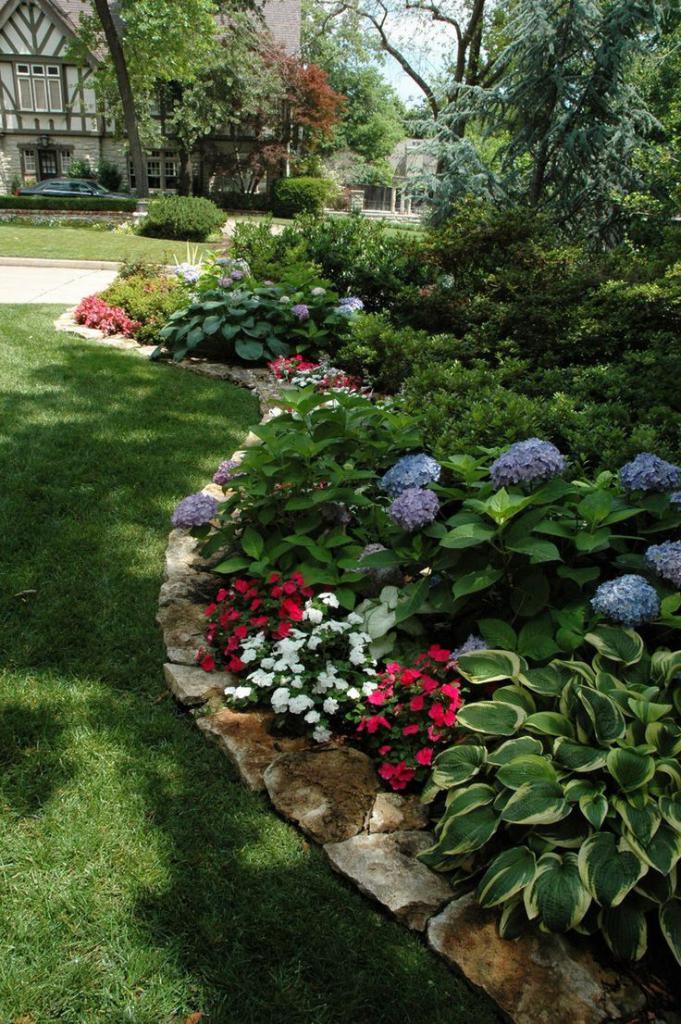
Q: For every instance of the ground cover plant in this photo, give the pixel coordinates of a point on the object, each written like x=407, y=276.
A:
x=139, y=877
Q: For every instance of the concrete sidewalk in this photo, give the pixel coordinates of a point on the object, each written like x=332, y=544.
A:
x=60, y=285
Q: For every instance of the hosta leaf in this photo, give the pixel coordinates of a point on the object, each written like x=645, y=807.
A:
x=643, y=822
x=520, y=747
x=646, y=711
x=508, y=873
x=616, y=643
x=662, y=852
x=465, y=833
x=578, y=757
x=547, y=681
x=550, y=723
x=594, y=807
x=607, y=872
x=665, y=665
x=489, y=666
x=557, y=895
x=670, y=923
x=607, y=718
x=526, y=770
x=458, y=764
x=518, y=696
x=461, y=801
x=492, y=717
x=539, y=803
x=624, y=928
x=665, y=737
x=513, y=919
x=630, y=769
x=656, y=887
x=670, y=808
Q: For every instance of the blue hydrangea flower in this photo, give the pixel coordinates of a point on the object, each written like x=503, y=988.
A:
x=195, y=510
x=629, y=599
x=648, y=472
x=301, y=311
x=414, y=508
x=188, y=273
x=532, y=461
x=411, y=471
x=225, y=472
x=473, y=643
x=675, y=499
x=349, y=305
x=665, y=559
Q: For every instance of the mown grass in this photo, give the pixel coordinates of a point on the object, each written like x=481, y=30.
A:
x=139, y=882
x=60, y=243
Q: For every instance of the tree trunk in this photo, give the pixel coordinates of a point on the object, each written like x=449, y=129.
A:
x=184, y=184
x=127, y=99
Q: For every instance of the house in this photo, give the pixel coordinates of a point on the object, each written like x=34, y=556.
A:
x=48, y=110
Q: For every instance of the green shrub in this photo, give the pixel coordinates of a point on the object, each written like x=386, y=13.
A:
x=256, y=201
x=149, y=300
x=65, y=203
x=300, y=195
x=81, y=169
x=565, y=790
x=267, y=254
x=186, y=218
x=109, y=175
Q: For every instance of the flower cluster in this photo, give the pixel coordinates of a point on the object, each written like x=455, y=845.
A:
x=195, y=510
x=409, y=714
x=472, y=643
x=629, y=600
x=349, y=305
x=268, y=608
x=226, y=471
x=302, y=373
x=532, y=461
x=300, y=311
x=665, y=559
x=414, y=508
x=415, y=470
x=648, y=472
x=190, y=273
x=94, y=312
x=315, y=673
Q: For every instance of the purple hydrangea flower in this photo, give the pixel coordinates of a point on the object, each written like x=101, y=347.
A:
x=411, y=471
x=473, y=643
x=532, y=461
x=414, y=508
x=665, y=559
x=237, y=275
x=648, y=472
x=629, y=599
x=301, y=311
x=189, y=273
x=225, y=282
x=225, y=472
x=195, y=510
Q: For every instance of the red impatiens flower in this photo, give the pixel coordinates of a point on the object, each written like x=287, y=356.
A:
x=424, y=756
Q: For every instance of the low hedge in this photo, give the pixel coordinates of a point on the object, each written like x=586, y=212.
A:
x=300, y=195
x=185, y=218
x=65, y=203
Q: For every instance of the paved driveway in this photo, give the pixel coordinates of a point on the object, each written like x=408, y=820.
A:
x=60, y=285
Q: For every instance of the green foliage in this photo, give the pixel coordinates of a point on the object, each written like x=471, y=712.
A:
x=267, y=254
x=181, y=217
x=386, y=354
x=109, y=175
x=251, y=201
x=65, y=203
x=300, y=195
x=81, y=169
x=149, y=300
x=574, y=813
x=254, y=322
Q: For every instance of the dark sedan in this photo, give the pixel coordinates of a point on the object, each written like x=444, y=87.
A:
x=71, y=188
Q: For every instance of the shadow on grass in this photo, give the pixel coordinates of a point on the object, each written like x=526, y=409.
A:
x=248, y=924
x=32, y=765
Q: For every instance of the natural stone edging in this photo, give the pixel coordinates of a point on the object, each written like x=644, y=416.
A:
x=372, y=838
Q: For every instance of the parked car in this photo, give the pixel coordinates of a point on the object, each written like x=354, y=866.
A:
x=71, y=188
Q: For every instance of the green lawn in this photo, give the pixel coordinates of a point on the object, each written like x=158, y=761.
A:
x=139, y=883
x=90, y=244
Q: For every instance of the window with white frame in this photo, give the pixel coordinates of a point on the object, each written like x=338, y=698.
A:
x=66, y=157
x=162, y=170
x=40, y=87
x=30, y=166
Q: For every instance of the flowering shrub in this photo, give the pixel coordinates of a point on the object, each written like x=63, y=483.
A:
x=648, y=472
x=532, y=461
x=226, y=471
x=414, y=508
x=410, y=713
x=629, y=599
x=302, y=373
x=411, y=471
x=94, y=312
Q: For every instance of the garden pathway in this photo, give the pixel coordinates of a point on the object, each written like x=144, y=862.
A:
x=64, y=285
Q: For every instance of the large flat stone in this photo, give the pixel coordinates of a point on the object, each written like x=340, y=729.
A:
x=192, y=686
x=328, y=793
x=385, y=867
x=244, y=736
x=183, y=623
x=394, y=813
x=536, y=979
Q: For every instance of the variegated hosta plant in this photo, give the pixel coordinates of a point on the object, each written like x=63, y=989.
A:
x=564, y=793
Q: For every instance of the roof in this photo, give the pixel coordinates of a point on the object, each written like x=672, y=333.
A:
x=282, y=18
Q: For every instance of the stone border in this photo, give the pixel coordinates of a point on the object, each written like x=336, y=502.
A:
x=369, y=836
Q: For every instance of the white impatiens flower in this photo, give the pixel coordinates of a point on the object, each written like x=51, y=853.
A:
x=260, y=678
x=312, y=717
x=330, y=705
x=314, y=642
x=241, y=692
x=330, y=600
x=352, y=693
x=321, y=734
x=354, y=619
x=280, y=699
x=368, y=688
x=248, y=655
x=357, y=656
x=314, y=615
x=300, y=703
x=267, y=663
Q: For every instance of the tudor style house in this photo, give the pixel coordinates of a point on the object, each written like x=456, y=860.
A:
x=48, y=111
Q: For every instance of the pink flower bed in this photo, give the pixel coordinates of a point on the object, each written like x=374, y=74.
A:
x=94, y=312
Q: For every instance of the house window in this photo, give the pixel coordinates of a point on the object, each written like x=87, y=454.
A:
x=66, y=158
x=40, y=87
x=162, y=170
x=29, y=163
